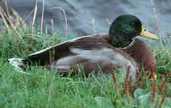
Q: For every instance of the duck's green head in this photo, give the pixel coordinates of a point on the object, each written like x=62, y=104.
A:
x=125, y=28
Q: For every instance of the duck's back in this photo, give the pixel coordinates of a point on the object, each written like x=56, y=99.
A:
x=45, y=56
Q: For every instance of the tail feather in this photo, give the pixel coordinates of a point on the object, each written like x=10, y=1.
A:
x=18, y=64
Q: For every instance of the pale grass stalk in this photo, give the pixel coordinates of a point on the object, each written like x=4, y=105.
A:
x=34, y=16
x=42, y=17
x=127, y=84
x=50, y=91
x=163, y=90
x=93, y=21
x=18, y=22
x=156, y=16
x=3, y=16
x=65, y=18
x=108, y=21
x=52, y=24
x=8, y=21
x=28, y=15
x=115, y=83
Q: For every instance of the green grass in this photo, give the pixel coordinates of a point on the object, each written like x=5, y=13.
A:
x=43, y=89
x=46, y=89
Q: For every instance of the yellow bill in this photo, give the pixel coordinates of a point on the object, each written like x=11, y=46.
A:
x=147, y=34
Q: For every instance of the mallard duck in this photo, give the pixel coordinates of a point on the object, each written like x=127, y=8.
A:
x=118, y=49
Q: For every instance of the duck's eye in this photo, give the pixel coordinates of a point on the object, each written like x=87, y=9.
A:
x=144, y=28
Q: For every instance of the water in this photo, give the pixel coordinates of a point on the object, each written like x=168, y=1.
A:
x=92, y=16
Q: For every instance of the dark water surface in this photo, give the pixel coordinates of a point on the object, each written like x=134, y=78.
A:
x=92, y=16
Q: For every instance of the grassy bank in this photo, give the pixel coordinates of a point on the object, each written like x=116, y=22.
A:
x=46, y=89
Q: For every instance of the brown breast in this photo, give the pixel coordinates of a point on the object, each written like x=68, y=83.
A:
x=142, y=54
